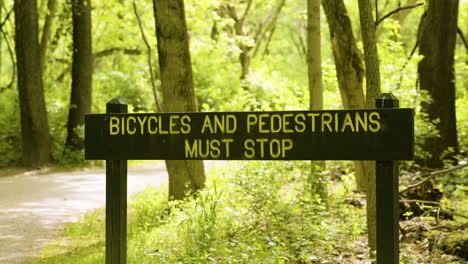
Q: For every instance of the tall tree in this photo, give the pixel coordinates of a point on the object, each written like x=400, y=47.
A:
x=314, y=66
x=436, y=75
x=349, y=69
x=46, y=30
x=34, y=127
x=249, y=33
x=372, y=69
x=82, y=71
x=177, y=87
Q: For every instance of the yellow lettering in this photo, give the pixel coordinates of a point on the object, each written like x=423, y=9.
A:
x=360, y=121
x=251, y=120
x=207, y=124
x=231, y=122
x=214, y=146
x=286, y=144
x=185, y=123
x=374, y=118
x=131, y=132
x=150, y=130
x=262, y=146
x=219, y=123
x=200, y=148
x=327, y=118
x=123, y=125
x=300, y=125
x=286, y=123
x=275, y=153
x=347, y=122
x=172, y=124
x=262, y=123
x=160, y=125
x=249, y=148
x=114, y=126
x=336, y=122
x=190, y=151
x=227, y=141
x=142, y=123
x=312, y=120
x=272, y=123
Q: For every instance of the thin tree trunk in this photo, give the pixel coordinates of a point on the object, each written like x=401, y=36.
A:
x=82, y=71
x=314, y=63
x=46, y=31
x=34, y=126
x=177, y=87
x=437, y=77
x=349, y=69
x=371, y=58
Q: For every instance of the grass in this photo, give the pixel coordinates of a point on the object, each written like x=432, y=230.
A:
x=256, y=212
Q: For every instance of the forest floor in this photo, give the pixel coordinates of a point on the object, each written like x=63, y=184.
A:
x=35, y=205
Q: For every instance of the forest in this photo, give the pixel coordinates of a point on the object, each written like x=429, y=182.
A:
x=61, y=60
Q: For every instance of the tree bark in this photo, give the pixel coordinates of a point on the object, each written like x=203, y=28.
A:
x=372, y=68
x=34, y=125
x=82, y=71
x=314, y=63
x=46, y=31
x=436, y=75
x=177, y=87
x=349, y=69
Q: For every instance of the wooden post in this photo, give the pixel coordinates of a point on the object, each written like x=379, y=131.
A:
x=116, y=200
x=387, y=176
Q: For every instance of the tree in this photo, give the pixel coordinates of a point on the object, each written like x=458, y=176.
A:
x=82, y=71
x=177, y=87
x=249, y=35
x=314, y=66
x=46, y=31
x=371, y=59
x=34, y=127
x=436, y=74
x=349, y=69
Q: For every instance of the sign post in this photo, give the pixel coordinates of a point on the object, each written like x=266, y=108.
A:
x=116, y=200
x=384, y=134
x=387, y=176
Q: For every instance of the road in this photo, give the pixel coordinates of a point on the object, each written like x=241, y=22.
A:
x=34, y=207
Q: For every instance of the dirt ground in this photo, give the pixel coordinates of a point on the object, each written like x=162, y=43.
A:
x=34, y=206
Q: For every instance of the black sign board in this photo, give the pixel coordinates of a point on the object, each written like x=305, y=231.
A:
x=384, y=134
x=371, y=134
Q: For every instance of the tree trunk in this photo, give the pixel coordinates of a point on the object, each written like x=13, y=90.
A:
x=82, y=71
x=371, y=58
x=46, y=31
x=314, y=63
x=34, y=126
x=349, y=69
x=436, y=75
x=177, y=87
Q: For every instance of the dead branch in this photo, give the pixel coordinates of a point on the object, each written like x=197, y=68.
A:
x=6, y=18
x=12, y=56
x=431, y=175
x=396, y=11
x=462, y=37
x=148, y=46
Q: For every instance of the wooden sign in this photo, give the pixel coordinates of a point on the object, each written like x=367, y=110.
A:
x=371, y=134
x=384, y=134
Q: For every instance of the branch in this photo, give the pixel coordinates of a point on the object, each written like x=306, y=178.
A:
x=246, y=12
x=150, y=64
x=269, y=25
x=6, y=18
x=96, y=55
x=110, y=51
x=432, y=175
x=10, y=50
x=396, y=11
x=462, y=37
x=434, y=203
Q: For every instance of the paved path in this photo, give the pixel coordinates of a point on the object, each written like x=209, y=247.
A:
x=35, y=207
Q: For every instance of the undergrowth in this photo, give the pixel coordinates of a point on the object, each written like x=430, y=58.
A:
x=255, y=212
